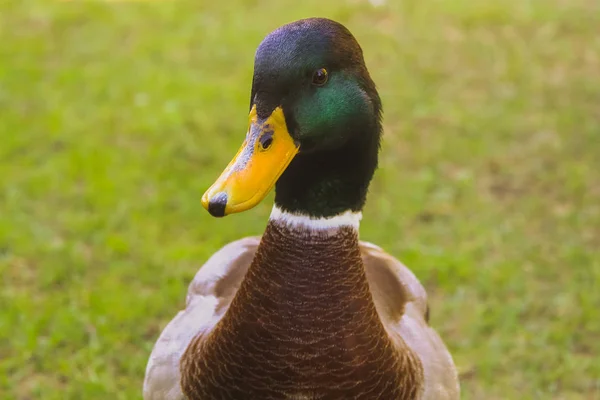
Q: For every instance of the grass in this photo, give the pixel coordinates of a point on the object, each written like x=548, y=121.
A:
x=115, y=117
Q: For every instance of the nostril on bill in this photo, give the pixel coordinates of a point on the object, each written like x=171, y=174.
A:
x=216, y=205
x=266, y=139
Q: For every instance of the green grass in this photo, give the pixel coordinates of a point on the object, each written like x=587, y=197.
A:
x=114, y=119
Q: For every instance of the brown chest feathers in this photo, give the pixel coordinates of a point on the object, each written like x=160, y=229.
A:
x=303, y=325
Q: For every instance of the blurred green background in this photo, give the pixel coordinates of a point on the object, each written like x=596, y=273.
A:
x=115, y=117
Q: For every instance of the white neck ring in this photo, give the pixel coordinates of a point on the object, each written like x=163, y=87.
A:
x=302, y=221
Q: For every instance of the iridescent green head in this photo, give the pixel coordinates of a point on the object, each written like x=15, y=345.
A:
x=310, y=76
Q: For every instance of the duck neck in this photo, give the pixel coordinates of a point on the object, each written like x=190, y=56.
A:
x=308, y=265
x=330, y=182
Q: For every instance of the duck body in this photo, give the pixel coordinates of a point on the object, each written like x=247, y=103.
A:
x=307, y=311
x=319, y=315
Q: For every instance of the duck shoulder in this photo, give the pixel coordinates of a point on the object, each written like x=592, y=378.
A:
x=209, y=295
x=399, y=297
x=402, y=305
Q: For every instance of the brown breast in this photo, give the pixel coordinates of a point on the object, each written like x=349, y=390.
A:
x=302, y=325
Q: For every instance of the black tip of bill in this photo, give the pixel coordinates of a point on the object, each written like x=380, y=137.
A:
x=216, y=205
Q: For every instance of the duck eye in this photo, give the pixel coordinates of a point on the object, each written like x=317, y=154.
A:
x=320, y=77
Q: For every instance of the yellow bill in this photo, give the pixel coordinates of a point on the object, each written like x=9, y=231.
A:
x=250, y=176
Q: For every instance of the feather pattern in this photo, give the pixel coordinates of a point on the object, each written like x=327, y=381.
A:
x=400, y=304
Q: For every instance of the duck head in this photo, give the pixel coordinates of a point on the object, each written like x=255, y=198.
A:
x=314, y=126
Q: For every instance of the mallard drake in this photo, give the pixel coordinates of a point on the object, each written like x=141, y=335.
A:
x=307, y=311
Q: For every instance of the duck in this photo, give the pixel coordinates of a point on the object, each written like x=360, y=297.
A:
x=307, y=310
